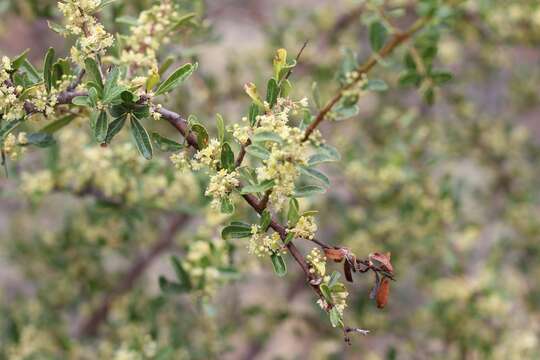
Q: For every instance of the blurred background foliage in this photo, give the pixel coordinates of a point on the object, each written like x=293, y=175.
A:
x=452, y=190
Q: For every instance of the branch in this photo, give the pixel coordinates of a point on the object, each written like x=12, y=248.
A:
x=396, y=40
x=90, y=325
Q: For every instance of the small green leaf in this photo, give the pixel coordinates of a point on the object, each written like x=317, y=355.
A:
x=47, y=69
x=165, y=144
x=251, y=90
x=375, y=85
x=141, y=138
x=258, y=151
x=288, y=238
x=272, y=92
x=112, y=89
x=316, y=174
x=101, y=127
x=40, y=139
x=92, y=69
x=220, y=124
x=325, y=153
x=227, y=157
x=170, y=287
x=181, y=273
x=152, y=81
x=266, y=219
x=57, y=124
x=253, y=112
x=280, y=267
x=333, y=279
x=308, y=190
x=294, y=212
x=114, y=128
x=441, y=77
x=19, y=59
x=166, y=65
x=279, y=61
x=326, y=293
x=9, y=126
x=227, y=206
x=377, y=35
x=236, y=231
x=335, y=317
x=31, y=71
x=410, y=78
x=181, y=21
x=202, y=135
x=264, y=136
x=176, y=78
x=259, y=188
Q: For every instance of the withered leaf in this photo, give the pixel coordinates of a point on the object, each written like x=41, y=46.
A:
x=381, y=261
x=347, y=271
x=382, y=293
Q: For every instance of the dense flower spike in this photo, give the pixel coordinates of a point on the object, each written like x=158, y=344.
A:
x=92, y=38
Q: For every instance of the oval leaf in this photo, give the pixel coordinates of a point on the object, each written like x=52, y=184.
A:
x=141, y=138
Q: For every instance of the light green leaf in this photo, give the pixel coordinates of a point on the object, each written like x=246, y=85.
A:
x=181, y=273
x=57, y=124
x=176, y=78
x=47, y=69
x=308, y=190
x=258, y=151
x=253, y=112
x=236, y=231
x=264, y=136
x=294, y=212
x=266, y=219
x=259, y=188
x=114, y=128
x=377, y=35
x=227, y=206
x=227, y=157
x=280, y=267
x=441, y=76
x=202, y=135
x=101, y=127
x=220, y=124
x=40, y=139
x=375, y=85
x=165, y=144
x=315, y=174
x=272, y=92
x=19, y=59
x=112, y=89
x=31, y=71
x=141, y=138
x=92, y=69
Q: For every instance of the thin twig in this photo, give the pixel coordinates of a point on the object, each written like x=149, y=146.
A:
x=396, y=40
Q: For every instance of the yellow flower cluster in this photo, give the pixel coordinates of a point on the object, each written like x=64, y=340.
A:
x=203, y=260
x=93, y=39
x=221, y=185
x=304, y=228
x=116, y=172
x=262, y=245
x=317, y=262
x=14, y=146
x=281, y=166
x=11, y=107
x=180, y=161
x=153, y=26
x=209, y=156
